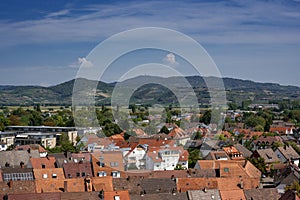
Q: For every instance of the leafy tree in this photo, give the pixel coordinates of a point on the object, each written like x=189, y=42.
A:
x=206, y=117
x=295, y=186
x=259, y=163
x=3, y=122
x=165, y=130
x=194, y=156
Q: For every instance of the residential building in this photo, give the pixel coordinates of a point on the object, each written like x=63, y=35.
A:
x=286, y=154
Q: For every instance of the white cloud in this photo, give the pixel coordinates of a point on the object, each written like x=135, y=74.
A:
x=83, y=62
x=170, y=60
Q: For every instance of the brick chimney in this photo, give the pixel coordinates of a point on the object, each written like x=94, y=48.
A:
x=65, y=186
x=88, y=184
x=10, y=184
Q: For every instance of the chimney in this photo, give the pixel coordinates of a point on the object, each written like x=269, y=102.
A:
x=88, y=184
x=10, y=184
x=22, y=164
x=65, y=186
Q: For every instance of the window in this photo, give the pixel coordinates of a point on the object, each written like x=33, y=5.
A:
x=54, y=176
x=116, y=197
x=45, y=176
x=83, y=174
x=43, y=166
x=101, y=174
x=226, y=169
x=115, y=174
x=114, y=164
x=77, y=174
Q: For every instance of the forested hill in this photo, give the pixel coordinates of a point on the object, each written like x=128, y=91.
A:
x=61, y=94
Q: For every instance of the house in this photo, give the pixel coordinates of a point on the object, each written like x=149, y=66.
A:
x=164, y=196
x=45, y=139
x=3, y=146
x=289, y=195
x=30, y=196
x=209, y=145
x=265, y=193
x=204, y=194
x=166, y=158
x=245, y=152
x=282, y=130
x=233, y=153
x=286, y=176
x=268, y=155
x=49, y=174
x=116, y=195
x=217, y=155
x=77, y=170
x=287, y=153
x=44, y=133
x=17, y=174
x=108, y=163
x=42, y=152
x=8, y=137
x=230, y=168
x=144, y=186
x=41, y=163
x=232, y=195
x=179, y=135
x=135, y=158
x=265, y=142
x=16, y=159
x=104, y=183
x=60, y=185
x=17, y=187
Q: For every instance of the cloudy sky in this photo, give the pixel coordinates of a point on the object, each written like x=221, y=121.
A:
x=44, y=42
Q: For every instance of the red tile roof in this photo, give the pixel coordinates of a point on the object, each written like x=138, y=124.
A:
x=122, y=194
x=39, y=163
x=232, y=195
x=48, y=174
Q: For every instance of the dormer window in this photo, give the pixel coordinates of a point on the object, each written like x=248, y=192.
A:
x=101, y=174
x=54, y=176
x=45, y=176
x=43, y=166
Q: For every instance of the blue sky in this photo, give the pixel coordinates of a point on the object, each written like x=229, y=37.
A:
x=41, y=42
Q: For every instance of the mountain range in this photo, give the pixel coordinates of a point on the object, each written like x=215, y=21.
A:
x=236, y=91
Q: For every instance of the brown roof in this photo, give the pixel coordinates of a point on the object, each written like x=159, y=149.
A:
x=177, y=133
x=76, y=170
x=96, y=167
x=204, y=194
x=73, y=185
x=231, y=168
x=86, y=157
x=31, y=147
x=113, y=159
x=123, y=194
x=17, y=187
x=104, y=183
x=251, y=170
x=48, y=174
x=267, y=154
x=288, y=152
x=185, y=184
x=36, y=196
x=265, y=193
x=79, y=196
x=237, y=183
x=158, y=196
x=39, y=163
x=232, y=195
